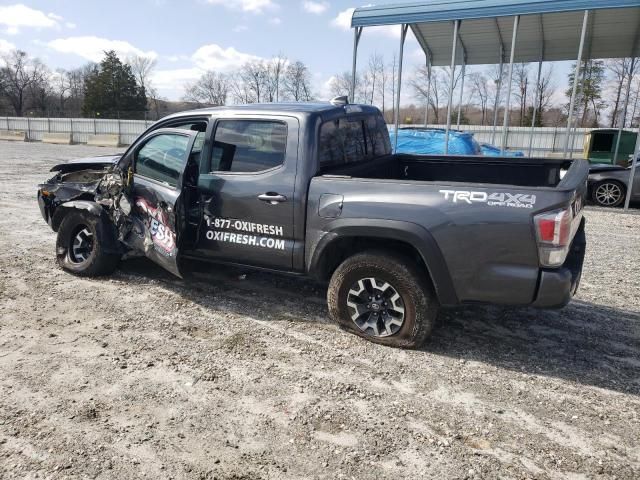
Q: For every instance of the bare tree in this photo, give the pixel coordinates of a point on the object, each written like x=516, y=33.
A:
x=240, y=91
x=155, y=101
x=635, y=118
x=297, y=82
x=210, y=89
x=76, y=81
x=383, y=83
x=440, y=85
x=61, y=87
x=274, y=71
x=521, y=75
x=142, y=67
x=480, y=91
x=254, y=76
x=420, y=83
x=497, y=80
x=341, y=85
x=376, y=63
x=620, y=70
x=545, y=90
x=41, y=92
x=20, y=74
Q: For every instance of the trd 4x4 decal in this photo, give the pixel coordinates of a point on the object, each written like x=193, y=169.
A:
x=496, y=199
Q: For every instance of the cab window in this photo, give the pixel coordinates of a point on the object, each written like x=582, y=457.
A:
x=352, y=139
x=248, y=146
x=162, y=158
x=199, y=126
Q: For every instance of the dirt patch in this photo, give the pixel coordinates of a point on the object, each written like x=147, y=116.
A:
x=229, y=376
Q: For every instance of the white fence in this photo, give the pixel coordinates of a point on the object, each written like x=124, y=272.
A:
x=545, y=139
x=80, y=128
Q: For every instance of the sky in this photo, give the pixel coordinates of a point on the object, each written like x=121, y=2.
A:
x=191, y=36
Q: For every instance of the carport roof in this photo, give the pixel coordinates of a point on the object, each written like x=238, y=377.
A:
x=549, y=30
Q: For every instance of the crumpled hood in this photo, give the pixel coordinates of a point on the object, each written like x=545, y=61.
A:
x=89, y=163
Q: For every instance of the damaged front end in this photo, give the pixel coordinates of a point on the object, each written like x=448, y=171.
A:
x=99, y=187
x=103, y=188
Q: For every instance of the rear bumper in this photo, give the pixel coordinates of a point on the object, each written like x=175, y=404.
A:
x=557, y=286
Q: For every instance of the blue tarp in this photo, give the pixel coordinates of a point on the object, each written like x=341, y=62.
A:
x=491, y=151
x=430, y=141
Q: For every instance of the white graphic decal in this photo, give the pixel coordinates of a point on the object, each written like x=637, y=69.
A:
x=241, y=225
x=497, y=199
x=243, y=239
x=226, y=224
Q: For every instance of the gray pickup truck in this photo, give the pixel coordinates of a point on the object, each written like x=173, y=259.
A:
x=314, y=189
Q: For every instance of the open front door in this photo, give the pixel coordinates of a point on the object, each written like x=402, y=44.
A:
x=159, y=190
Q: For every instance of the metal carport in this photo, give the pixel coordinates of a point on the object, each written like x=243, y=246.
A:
x=473, y=32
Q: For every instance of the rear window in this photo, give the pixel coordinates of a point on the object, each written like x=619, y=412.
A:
x=352, y=139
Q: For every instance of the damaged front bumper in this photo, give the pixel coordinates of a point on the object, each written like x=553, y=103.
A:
x=45, y=209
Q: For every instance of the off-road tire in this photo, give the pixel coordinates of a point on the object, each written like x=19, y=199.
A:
x=413, y=285
x=98, y=262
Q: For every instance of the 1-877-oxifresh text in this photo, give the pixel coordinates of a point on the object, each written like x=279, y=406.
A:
x=244, y=226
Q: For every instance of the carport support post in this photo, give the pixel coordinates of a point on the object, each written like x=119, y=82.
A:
x=456, y=26
x=426, y=108
x=632, y=173
x=624, y=110
x=356, y=40
x=464, y=65
x=535, y=107
x=403, y=34
x=507, y=103
x=576, y=77
x=495, y=104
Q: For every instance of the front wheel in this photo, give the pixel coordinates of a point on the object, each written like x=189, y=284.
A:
x=384, y=298
x=79, y=246
x=608, y=193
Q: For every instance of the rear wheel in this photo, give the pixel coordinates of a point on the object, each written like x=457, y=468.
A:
x=79, y=246
x=384, y=298
x=608, y=193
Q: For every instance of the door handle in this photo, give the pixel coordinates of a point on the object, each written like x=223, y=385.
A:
x=272, y=198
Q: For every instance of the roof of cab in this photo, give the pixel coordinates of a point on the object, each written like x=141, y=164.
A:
x=296, y=108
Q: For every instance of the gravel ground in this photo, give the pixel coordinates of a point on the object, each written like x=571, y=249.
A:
x=242, y=377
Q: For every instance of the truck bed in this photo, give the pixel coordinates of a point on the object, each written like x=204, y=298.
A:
x=516, y=171
x=477, y=213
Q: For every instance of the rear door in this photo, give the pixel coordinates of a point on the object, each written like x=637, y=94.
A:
x=246, y=188
x=158, y=195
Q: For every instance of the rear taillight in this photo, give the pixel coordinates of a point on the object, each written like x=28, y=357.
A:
x=553, y=230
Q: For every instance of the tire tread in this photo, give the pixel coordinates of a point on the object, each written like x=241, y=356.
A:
x=409, y=278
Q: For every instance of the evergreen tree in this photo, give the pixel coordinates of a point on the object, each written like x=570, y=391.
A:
x=112, y=92
x=589, y=92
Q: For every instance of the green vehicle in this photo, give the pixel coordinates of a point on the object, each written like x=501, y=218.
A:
x=600, y=146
